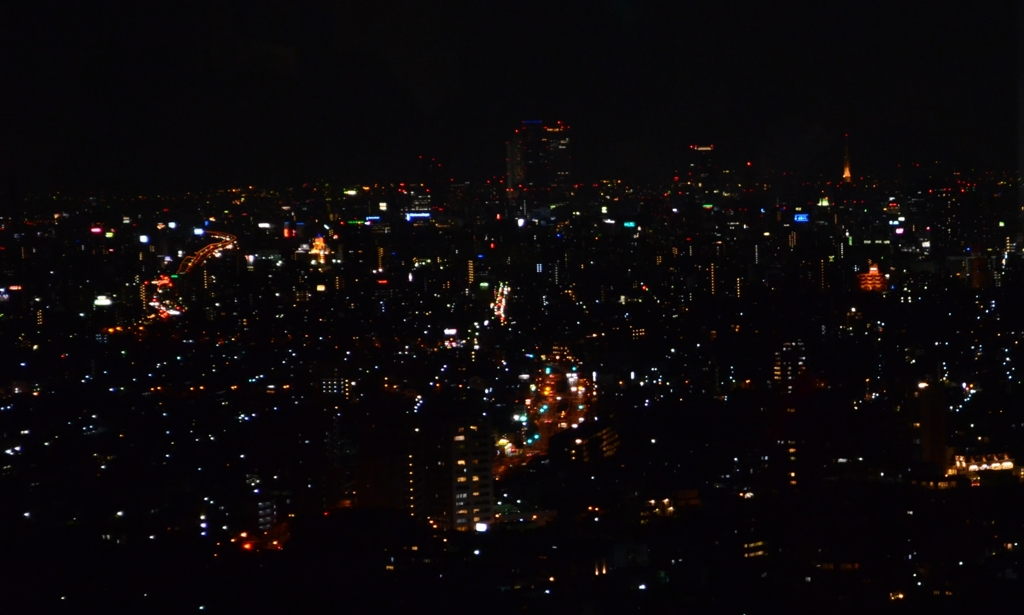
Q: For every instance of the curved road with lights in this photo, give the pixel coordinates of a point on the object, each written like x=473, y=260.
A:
x=226, y=240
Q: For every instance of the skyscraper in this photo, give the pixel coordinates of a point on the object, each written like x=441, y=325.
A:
x=539, y=160
x=559, y=155
x=701, y=170
x=695, y=185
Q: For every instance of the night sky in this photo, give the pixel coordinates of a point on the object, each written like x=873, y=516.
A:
x=139, y=95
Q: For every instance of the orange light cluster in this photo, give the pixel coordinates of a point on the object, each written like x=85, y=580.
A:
x=872, y=280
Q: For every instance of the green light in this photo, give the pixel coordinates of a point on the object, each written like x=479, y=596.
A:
x=629, y=224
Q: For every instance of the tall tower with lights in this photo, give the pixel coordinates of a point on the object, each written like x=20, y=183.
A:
x=847, y=177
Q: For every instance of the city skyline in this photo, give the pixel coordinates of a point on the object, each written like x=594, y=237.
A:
x=600, y=393
x=561, y=308
x=113, y=96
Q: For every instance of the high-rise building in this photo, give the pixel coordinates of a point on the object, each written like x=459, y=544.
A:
x=559, y=155
x=701, y=170
x=527, y=156
x=472, y=478
x=449, y=469
x=930, y=426
x=539, y=162
x=695, y=186
x=790, y=364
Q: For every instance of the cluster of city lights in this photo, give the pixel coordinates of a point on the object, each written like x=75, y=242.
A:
x=163, y=303
x=500, y=301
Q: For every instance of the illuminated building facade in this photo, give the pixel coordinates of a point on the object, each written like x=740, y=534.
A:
x=319, y=250
x=472, y=479
x=967, y=465
x=871, y=280
x=790, y=364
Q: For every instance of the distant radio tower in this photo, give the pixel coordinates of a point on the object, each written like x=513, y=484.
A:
x=847, y=178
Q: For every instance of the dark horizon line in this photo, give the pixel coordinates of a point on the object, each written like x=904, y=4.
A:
x=17, y=191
